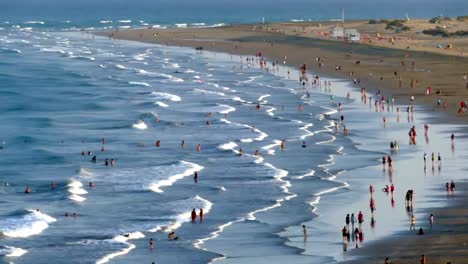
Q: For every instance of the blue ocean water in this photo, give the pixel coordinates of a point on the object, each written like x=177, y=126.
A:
x=66, y=93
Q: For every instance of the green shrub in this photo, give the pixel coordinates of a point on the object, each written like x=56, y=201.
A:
x=373, y=21
x=436, y=32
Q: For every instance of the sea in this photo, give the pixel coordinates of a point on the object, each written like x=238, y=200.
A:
x=68, y=96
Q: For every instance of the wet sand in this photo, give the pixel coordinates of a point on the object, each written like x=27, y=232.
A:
x=446, y=242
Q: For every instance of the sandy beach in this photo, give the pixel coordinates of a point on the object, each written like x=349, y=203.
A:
x=441, y=70
x=401, y=70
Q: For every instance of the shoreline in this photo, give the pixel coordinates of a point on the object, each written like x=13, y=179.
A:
x=240, y=50
x=375, y=69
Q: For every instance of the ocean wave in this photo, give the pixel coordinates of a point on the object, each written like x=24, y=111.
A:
x=166, y=96
x=139, y=84
x=161, y=104
x=279, y=175
x=269, y=148
x=12, y=252
x=125, y=27
x=141, y=125
x=32, y=222
x=188, y=168
x=7, y=50
x=120, y=239
x=181, y=25
x=185, y=208
x=105, y=21
x=125, y=21
x=227, y=146
x=157, y=74
x=120, y=66
x=76, y=191
x=35, y=22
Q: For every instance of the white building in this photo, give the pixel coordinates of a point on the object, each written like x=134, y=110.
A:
x=338, y=32
x=352, y=34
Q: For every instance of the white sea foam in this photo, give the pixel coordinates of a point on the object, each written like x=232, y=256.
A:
x=162, y=75
x=310, y=173
x=125, y=21
x=35, y=22
x=75, y=187
x=141, y=125
x=122, y=240
x=105, y=21
x=269, y=148
x=139, y=84
x=166, y=96
x=119, y=66
x=12, y=252
x=227, y=146
x=161, y=104
x=189, y=169
x=125, y=27
x=32, y=223
x=181, y=25
x=225, y=109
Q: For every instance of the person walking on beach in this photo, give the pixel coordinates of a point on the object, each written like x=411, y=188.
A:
x=387, y=260
x=353, y=220
x=423, y=259
x=439, y=159
x=347, y=220
x=413, y=223
x=425, y=159
x=360, y=219
x=433, y=159
x=431, y=220
x=452, y=186
x=344, y=234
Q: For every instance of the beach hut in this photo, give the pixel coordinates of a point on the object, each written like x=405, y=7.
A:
x=338, y=32
x=352, y=34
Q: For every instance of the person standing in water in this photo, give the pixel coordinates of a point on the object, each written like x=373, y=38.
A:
x=431, y=220
x=304, y=231
x=413, y=223
x=201, y=215
x=194, y=215
x=151, y=244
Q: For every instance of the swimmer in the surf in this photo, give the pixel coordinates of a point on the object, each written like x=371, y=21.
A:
x=198, y=147
x=94, y=159
x=256, y=152
x=195, y=176
x=53, y=185
x=172, y=236
x=182, y=144
x=112, y=162
x=151, y=244
x=106, y=162
x=304, y=144
x=158, y=143
x=28, y=190
x=201, y=215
